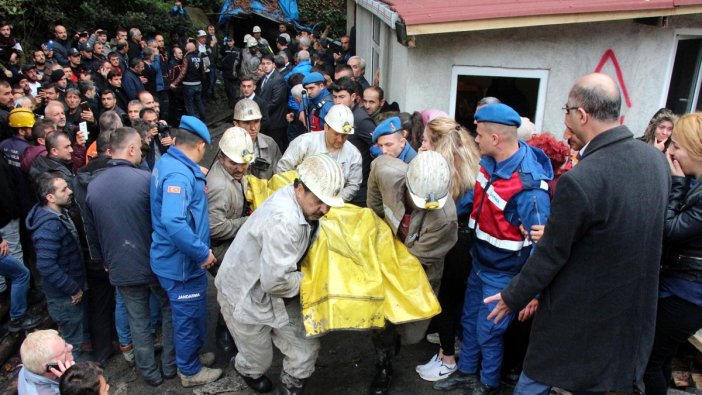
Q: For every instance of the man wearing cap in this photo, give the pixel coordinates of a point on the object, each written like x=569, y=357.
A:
x=180, y=249
x=191, y=75
x=258, y=284
x=247, y=115
x=414, y=201
x=316, y=103
x=250, y=57
x=262, y=42
x=226, y=204
x=337, y=129
x=29, y=70
x=391, y=140
x=510, y=192
x=74, y=61
x=345, y=92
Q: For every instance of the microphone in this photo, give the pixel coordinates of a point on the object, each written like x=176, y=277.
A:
x=304, y=92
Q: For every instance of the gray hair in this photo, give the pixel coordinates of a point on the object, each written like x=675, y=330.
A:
x=361, y=61
x=296, y=91
x=302, y=55
x=305, y=42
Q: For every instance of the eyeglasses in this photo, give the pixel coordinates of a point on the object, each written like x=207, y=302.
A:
x=567, y=109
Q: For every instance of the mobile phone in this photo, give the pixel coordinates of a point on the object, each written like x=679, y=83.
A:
x=84, y=106
x=83, y=127
x=50, y=366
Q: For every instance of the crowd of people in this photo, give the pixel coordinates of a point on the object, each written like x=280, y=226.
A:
x=108, y=215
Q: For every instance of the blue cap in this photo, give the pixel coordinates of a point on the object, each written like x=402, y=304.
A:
x=498, y=113
x=388, y=126
x=195, y=125
x=313, y=78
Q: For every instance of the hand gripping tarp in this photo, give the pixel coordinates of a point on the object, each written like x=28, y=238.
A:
x=356, y=273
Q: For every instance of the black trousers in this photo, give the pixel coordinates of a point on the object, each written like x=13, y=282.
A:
x=101, y=310
x=457, y=266
x=676, y=320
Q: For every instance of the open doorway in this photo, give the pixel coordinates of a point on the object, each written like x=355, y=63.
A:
x=523, y=90
x=685, y=80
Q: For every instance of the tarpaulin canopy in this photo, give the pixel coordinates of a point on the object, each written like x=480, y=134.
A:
x=275, y=10
x=356, y=273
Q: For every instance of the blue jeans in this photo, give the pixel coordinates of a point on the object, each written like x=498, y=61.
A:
x=69, y=318
x=212, y=78
x=124, y=335
x=137, y=302
x=481, y=336
x=189, y=307
x=11, y=234
x=192, y=95
x=527, y=386
x=19, y=274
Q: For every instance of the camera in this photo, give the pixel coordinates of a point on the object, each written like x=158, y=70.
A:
x=163, y=130
x=260, y=164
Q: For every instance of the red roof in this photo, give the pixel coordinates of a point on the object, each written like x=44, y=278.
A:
x=417, y=12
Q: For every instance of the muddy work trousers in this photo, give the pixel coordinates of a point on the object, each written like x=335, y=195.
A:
x=255, y=343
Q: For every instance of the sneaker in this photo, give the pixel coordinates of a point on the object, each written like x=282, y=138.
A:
x=207, y=359
x=433, y=361
x=128, y=353
x=437, y=371
x=433, y=338
x=204, y=376
x=25, y=323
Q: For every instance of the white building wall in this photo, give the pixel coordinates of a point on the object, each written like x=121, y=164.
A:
x=420, y=77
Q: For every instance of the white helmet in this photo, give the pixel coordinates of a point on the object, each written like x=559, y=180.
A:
x=251, y=42
x=247, y=110
x=256, y=29
x=236, y=144
x=340, y=119
x=428, y=180
x=323, y=176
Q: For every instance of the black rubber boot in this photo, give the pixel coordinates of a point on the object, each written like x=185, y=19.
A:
x=290, y=385
x=383, y=375
x=224, y=339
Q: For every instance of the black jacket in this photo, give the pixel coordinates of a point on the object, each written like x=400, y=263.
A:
x=275, y=94
x=362, y=138
x=9, y=206
x=596, y=268
x=683, y=231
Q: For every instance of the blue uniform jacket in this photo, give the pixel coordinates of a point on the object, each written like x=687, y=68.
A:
x=181, y=227
x=531, y=206
x=313, y=104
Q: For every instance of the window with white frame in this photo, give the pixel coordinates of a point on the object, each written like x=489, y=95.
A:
x=686, y=75
x=522, y=89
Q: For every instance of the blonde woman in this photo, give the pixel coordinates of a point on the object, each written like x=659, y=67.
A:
x=447, y=137
x=680, y=296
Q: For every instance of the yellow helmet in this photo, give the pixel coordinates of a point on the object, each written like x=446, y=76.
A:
x=21, y=118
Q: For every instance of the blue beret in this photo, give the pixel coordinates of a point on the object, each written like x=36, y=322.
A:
x=388, y=126
x=313, y=78
x=498, y=113
x=195, y=125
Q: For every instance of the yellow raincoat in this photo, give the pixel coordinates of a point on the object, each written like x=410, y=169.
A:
x=356, y=274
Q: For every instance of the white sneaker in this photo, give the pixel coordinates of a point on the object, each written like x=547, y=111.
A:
x=437, y=371
x=433, y=338
x=433, y=361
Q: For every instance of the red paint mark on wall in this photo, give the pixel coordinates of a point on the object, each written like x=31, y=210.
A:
x=610, y=56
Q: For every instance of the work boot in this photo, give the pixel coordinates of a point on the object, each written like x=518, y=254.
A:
x=204, y=376
x=458, y=380
x=383, y=375
x=207, y=359
x=290, y=385
x=25, y=323
x=224, y=339
x=482, y=389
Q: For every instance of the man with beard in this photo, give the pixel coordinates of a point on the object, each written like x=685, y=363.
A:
x=59, y=258
x=39, y=60
x=61, y=44
x=247, y=115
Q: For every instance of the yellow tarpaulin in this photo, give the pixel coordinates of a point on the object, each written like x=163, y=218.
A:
x=356, y=273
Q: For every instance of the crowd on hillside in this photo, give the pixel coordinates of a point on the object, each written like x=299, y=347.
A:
x=589, y=244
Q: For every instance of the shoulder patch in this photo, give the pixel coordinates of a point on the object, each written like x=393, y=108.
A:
x=173, y=189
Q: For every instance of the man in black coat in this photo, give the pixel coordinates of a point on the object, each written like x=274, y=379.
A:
x=596, y=267
x=274, y=91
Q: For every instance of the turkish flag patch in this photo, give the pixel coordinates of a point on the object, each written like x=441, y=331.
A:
x=173, y=189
